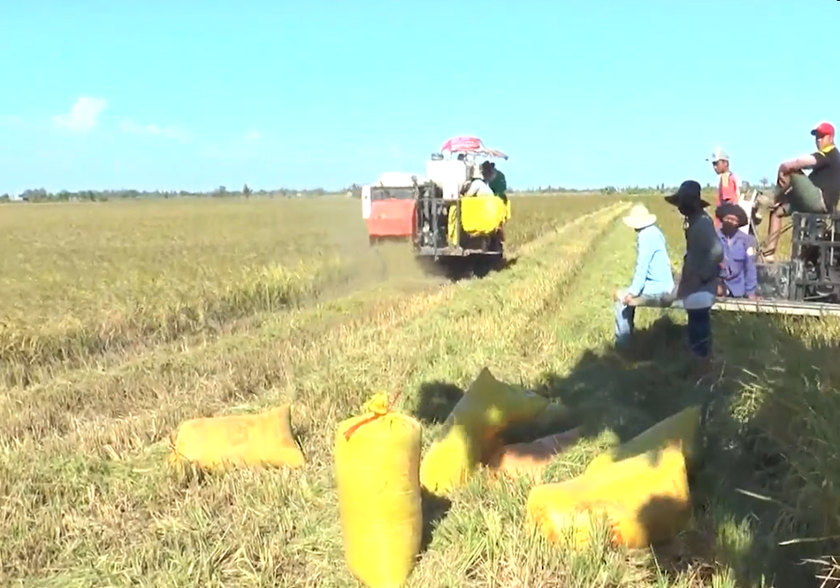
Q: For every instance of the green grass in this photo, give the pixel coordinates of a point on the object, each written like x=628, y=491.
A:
x=90, y=501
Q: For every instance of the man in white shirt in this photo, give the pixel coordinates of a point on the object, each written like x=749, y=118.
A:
x=478, y=187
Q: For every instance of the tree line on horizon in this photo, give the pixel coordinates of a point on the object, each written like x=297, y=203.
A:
x=354, y=191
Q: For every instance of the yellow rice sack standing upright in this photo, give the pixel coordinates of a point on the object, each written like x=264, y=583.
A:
x=263, y=439
x=471, y=433
x=377, y=468
x=644, y=500
x=680, y=428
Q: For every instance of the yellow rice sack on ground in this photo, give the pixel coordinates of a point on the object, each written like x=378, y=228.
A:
x=644, y=502
x=471, y=431
x=245, y=440
x=679, y=428
x=481, y=215
x=377, y=465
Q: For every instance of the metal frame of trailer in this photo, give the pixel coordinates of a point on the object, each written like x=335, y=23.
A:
x=806, y=284
x=783, y=307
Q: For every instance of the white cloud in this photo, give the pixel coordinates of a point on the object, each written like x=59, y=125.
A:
x=153, y=130
x=83, y=115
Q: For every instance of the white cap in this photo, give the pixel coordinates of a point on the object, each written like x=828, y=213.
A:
x=719, y=155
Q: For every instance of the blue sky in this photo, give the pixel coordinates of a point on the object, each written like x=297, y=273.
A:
x=185, y=94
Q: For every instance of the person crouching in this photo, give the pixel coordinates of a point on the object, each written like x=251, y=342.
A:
x=739, y=277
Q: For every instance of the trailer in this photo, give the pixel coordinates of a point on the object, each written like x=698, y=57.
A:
x=806, y=284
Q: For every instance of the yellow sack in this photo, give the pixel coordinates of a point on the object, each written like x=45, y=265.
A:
x=377, y=463
x=481, y=215
x=471, y=431
x=507, y=210
x=644, y=502
x=679, y=428
x=247, y=440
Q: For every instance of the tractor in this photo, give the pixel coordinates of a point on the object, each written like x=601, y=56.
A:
x=462, y=235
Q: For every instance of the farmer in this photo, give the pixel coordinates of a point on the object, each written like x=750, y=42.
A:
x=495, y=179
x=478, y=186
x=817, y=192
x=653, y=277
x=738, y=271
x=701, y=269
x=729, y=186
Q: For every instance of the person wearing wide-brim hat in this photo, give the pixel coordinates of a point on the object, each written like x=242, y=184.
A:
x=739, y=276
x=701, y=268
x=652, y=278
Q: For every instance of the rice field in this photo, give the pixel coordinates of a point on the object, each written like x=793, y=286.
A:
x=120, y=320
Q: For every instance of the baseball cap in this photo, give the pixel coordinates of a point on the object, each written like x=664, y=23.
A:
x=822, y=129
x=719, y=155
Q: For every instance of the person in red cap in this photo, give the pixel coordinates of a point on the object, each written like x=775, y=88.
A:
x=817, y=192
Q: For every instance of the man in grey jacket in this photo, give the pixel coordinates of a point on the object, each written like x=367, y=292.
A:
x=697, y=287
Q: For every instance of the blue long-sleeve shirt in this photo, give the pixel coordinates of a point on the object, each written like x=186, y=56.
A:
x=653, y=268
x=738, y=269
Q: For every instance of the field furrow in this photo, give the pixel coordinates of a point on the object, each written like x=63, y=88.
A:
x=337, y=368
x=89, y=500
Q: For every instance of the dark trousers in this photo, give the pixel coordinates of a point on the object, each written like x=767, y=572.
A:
x=700, y=331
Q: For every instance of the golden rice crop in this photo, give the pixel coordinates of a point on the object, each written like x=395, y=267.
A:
x=83, y=280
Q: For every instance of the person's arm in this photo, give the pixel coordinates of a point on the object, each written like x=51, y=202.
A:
x=644, y=255
x=751, y=273
x=473, y=190
x=502, y=183
x=811, y=160
x=736, y=183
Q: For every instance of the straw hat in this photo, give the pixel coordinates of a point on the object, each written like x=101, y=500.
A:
x=639, y=217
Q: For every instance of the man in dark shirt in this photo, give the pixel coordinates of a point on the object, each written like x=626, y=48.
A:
x=818, y=192
x=701, y=270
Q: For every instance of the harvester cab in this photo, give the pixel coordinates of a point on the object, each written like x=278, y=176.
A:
x=388, y=206
x=449, y=226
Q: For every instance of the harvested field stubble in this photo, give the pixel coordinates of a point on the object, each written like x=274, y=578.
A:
x=94, y=432
x=88, y=500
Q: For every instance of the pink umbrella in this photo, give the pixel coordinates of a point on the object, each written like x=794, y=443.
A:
x=470, y=145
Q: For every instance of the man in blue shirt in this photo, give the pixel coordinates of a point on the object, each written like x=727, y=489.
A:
x=738, y=271
x=652, y=278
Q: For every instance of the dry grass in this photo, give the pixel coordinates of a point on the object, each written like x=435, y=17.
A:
x=88, y=404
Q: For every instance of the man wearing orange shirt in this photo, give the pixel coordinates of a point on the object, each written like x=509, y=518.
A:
x=729, y=186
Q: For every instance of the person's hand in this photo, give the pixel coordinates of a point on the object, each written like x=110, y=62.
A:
x=628, y=298
x=784, y=169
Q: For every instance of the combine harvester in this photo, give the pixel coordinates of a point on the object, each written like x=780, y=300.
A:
x=451, y=234
x=463, y=235
x=806, y=284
